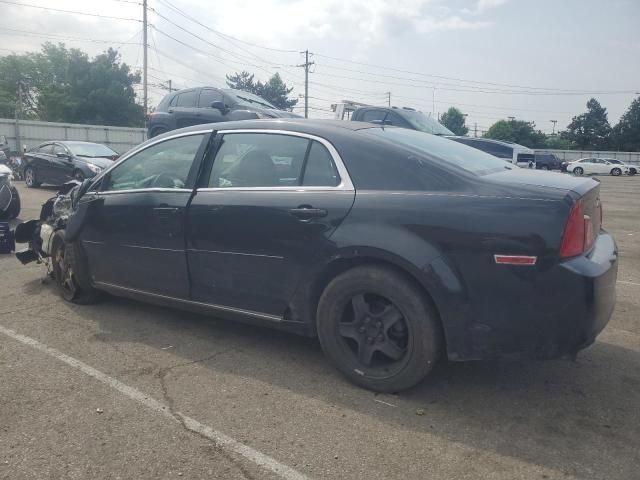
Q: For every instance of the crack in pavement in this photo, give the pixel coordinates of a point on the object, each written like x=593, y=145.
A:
x=162, y=377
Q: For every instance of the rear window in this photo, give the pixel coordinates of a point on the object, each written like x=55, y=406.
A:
x=450, y=152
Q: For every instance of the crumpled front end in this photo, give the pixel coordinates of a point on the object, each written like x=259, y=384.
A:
x=38, y=234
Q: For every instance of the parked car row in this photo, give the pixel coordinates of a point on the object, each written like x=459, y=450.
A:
x=58, y=162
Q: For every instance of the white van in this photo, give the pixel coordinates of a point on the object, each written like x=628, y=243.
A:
x=509, y=151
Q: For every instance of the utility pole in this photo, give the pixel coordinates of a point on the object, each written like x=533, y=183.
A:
x=553, y=131
x=475, y=129
x=18, y=113
x=511, y=118
x=170, y=89
x=388, y=98
x=306, y=66
x=433, y=105
x=144, y=58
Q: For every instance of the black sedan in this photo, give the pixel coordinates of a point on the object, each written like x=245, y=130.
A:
x=394, y=247
x=58, y=162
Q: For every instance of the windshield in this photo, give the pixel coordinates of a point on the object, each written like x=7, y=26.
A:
x=424, y=123
x=248, y=99
x=90, y=150
x=454, y=153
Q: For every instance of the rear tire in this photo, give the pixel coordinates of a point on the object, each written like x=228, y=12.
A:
x=158, y=131
x=578, y=171
x=632, y=171
x=70, y=271
x=616, y=172
x=30, y=179
x=378, y=328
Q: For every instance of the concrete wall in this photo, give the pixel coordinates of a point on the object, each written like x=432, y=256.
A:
x=33, y=133
x=570, y=155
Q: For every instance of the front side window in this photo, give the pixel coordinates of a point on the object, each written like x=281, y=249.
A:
x=59, y=149
x=46, y=149
x=396, y=120
x=374, y=116
x=271, y=160
x=163, y=165
x=187, y=99
x=208, y=96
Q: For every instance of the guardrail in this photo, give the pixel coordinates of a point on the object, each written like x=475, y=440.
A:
x=30, y=133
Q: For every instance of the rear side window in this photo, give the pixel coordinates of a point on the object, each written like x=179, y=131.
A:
x=59, y=149
x=208, y=96
x=258, y=160
x=272, y=160
x=187, y=99
x=320, y=170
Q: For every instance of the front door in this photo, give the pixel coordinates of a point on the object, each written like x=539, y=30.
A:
x=269, y=205
x=134, y=234
x=185, y=110
x=61, y=166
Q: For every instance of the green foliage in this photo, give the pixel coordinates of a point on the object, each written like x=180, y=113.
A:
x=556, y=142
x=626, y=134
x=275, y=91
x=454, y=120
x=517, y=131
x=590, y=130
x=65, y=85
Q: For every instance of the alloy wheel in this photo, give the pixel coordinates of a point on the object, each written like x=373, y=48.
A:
x=616, y=172
x=375, y=331
x=29, y=177
x=578, y=171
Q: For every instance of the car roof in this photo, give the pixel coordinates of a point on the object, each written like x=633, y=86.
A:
x=302, y=125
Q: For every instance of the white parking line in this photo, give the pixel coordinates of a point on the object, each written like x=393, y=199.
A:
x=629, y=283
x=219, y=438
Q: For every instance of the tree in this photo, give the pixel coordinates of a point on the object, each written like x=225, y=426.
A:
x=517, y=131
x=626, y=134
x=590, y=130
x=454, y=120
x=65, y=85
x=275, y=91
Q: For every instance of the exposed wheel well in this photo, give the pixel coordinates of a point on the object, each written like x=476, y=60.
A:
x=339, y=266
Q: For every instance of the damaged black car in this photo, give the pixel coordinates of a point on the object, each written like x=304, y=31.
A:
x=394, y=247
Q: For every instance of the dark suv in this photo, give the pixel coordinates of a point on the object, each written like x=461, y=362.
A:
x=404, y=117
x=194, y=106
x=547, y=161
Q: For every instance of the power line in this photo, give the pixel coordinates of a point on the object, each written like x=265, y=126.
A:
x=585, y=92
x=187, y=16
x=74, y=12
x=25, y=33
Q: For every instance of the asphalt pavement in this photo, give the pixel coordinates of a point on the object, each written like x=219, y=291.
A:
x=127, y=390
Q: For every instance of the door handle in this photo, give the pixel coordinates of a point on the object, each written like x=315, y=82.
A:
x=307, y=212
x=170, y=110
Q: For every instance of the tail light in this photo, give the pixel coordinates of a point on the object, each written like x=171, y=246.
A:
x=578, y=234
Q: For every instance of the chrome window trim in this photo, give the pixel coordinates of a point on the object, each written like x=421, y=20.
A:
x=251, y=313
x=140, y=190
x=345, y=179
x=144, y=146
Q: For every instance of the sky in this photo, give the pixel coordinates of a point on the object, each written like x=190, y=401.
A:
x=533, y=60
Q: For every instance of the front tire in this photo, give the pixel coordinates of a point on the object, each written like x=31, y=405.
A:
x=378, y=328
x=30, y=179
x=632, y=171
x=616, y=172
x=70, y=271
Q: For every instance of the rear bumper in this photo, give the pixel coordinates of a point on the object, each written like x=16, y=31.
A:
x=553, y=311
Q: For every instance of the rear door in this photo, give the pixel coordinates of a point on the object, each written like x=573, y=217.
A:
x=134, y=233
x=185, y=109
x=267, y=208
x=41, y=161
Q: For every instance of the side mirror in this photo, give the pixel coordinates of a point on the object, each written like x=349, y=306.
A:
x=63, y=155
x=219, y=106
